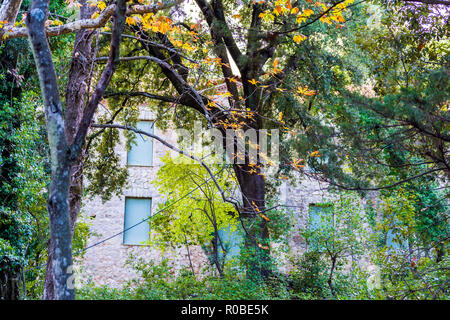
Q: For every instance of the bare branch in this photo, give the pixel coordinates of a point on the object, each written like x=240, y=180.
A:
x=113, y=60
x=9, y=10
x=164, y=142
x=98, y=22
x=186, y=88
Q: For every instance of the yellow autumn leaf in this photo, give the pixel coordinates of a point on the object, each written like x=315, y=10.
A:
x=288, y=5
x=253, y=81
x=305, y=91
x=295, y=10
x=101, y=5
x=130, y=21
x=163, y=27
x=299, y=38
x=267, y=16
x=278, y=10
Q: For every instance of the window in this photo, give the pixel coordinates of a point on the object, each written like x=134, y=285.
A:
x=320, y=216
x=141, y=153
x=395, y=242
x=321, y=220
x=136, y=211
x=231, y=241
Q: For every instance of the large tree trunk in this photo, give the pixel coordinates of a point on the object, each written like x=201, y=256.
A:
x=61, y=235
x=65, y=155
x=77, y=91
x=256, y=237
x=60, y=153
x=76, y=94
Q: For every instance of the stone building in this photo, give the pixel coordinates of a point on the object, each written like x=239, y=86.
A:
x=104, y=264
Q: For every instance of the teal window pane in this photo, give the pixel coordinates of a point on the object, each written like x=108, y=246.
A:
x=141, y=152
x=231, y=242
x=136, y=211
x=321, y=222
x=320, y=217
x=395, y=242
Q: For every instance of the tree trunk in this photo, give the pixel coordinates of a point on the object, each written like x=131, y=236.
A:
x=64, y=155
x=330, y=278
x=256, y=237
x=60, y=248
x=76, y=93
x=60, y=153
x=77, y=90
x=9, y=282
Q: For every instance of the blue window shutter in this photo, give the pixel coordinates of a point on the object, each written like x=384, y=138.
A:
x=141, y=153
x=395, y=241
x=136, y=210
x=320, y=220
x=314, y=218
x=320, y=217
x=231, y=241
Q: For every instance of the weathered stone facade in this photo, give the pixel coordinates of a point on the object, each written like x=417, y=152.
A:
x=104, y=264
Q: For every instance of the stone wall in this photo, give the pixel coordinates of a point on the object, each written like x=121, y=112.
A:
x=104, y=264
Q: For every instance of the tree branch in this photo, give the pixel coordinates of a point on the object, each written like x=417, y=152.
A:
x=164, y=142
x=179, y=83
x=98, y=22
x=113, y=60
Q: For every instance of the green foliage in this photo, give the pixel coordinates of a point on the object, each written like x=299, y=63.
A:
x=415, y=264
x=23, y=165
x=403, y=277
x=159, y=282
x=102, y=169
x=195, y=218
x=336, y=240
x=341, y=231
x=309, y=277
x=401, y=107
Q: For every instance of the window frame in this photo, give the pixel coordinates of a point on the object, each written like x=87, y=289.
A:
x=132, y=145
x=146, y=219
x=323, y=205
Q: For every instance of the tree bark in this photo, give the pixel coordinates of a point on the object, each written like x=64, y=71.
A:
x=57, y=205
x=330, y=278
x=76, y=92
x=256, y=238
x=64, y=155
